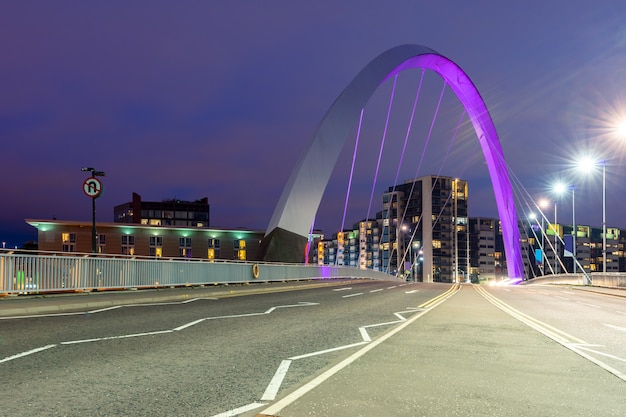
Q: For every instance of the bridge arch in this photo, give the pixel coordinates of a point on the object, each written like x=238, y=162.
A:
x=286, y=235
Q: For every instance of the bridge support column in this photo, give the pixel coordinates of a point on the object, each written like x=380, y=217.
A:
x=281, y=245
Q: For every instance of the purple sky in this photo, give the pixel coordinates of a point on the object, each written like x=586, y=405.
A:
x=190, y=99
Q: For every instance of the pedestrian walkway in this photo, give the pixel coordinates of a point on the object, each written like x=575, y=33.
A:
x=476, y=361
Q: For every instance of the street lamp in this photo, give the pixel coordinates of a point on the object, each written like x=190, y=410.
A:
x=92, y=187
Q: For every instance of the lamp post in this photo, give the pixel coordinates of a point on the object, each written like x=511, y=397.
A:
x=574, y=231
x=92, y=187
x=603, y=217
x=556, y=240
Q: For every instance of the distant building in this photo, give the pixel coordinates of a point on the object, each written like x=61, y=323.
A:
x=164, y=213
x=149, y=241
x=425, y=228
x=486, y=250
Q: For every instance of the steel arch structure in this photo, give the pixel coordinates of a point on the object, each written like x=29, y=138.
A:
x=286, y=235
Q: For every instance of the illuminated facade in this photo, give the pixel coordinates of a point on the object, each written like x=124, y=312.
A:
x=164, y=213
x=588, y=251
x=425, y=233
x=149, y=241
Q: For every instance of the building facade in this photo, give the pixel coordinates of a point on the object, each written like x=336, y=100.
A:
x=164, y=213
x=149, y=241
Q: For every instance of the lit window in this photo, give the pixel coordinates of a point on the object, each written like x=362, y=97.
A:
x=156, y=246
x=69, y=242
x=213, y=248
x=128, y=245
x=240, y=249
x=184, y=247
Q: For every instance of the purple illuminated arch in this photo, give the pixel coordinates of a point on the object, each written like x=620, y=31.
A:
x=303, y=192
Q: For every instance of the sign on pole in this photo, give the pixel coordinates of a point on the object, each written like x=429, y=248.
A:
x=92, y=187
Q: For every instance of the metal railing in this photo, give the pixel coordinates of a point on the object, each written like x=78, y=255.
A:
x=45, y=273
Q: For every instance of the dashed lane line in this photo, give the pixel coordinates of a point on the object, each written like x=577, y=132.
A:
x=352, y=295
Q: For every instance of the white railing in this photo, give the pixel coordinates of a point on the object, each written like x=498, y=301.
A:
x=44, y=273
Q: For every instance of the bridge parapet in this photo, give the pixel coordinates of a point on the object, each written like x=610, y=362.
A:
x=599, y=279
x=32, y=274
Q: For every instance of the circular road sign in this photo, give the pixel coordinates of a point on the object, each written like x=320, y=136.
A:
x=92, y=187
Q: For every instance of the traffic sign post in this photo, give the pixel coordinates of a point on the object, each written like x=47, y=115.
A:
x=92, y=187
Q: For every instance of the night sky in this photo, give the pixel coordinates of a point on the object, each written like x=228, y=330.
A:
x=193, y=99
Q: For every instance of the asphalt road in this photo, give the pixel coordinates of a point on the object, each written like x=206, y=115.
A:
x=198, y=357
x=355, y=349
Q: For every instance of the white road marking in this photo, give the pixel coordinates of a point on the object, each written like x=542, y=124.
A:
x=275, y=408
x=322, y=352
x=602, y=354
x=184, y=326
x=125, y=336
x=380, y=289
x=236, y=411
x=411, y=292
x=103, y=309
x=587, y=304
x=28, y=352
x=568, y=292
x=342, y=289
x=366, y=337
x=623, y=329
x=620, y=312
x=562, y=298
x=276, y=382
x=352, y=295
x=389, y=288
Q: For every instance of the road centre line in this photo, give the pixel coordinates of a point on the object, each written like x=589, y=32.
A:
x=389, y=288
x=552, y=333
x=587, y=304
x=342, y=289
x=376, y=290
x=352, y=295
x=411, y=292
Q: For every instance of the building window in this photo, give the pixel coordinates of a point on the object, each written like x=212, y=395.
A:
x=240, y=249
x=128, y=245
x=156, y=246
x=214, y=249
x=184, y=247
x=69, y=242
x=102, y=241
